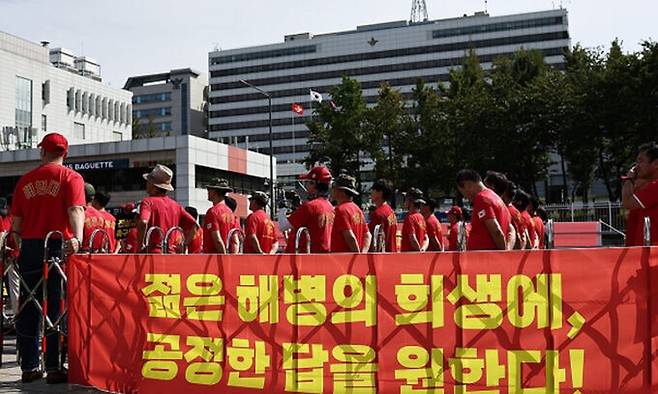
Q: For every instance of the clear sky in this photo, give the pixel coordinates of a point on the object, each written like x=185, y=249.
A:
x=133, y=37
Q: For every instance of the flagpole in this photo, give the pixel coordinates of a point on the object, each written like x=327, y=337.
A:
x=292, y=116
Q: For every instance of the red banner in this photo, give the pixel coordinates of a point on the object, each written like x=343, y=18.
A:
x=564, y=321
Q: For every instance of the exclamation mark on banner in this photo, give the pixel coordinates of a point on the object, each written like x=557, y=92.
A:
x=577, y=360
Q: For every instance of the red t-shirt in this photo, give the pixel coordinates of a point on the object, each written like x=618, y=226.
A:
x=541, y=233
x=260, y=225
x=130, y=244
x=517, y=220
x=413, y=223
x=318, y=216
x=196, y=245
x=348, y=216
x=532, y=231
x=487, y=205
x=635, y=227
x=110, y=223
x=384, y=216
x=434, y=229
x=218, y=218
x=453, y=236
x=648, y=199
x=43, y=197
x=93, y=221
x=163, y=212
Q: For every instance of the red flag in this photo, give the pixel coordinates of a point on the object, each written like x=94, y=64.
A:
x=298, y=109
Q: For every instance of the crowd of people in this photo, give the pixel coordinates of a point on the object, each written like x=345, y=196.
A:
x=53, y=197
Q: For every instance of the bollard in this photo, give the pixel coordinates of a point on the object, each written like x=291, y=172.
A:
x=550, y=234
x=105, y=242
x=235, y=232
x=175, y=229
x=379, y=239
x=461, y=236
x=647, y=231
x=298, y=237
x=147, y=238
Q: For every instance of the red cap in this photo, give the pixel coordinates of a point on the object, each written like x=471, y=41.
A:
x=54, y=142
x=129, y=208
x=318, y=174
x=455, y=210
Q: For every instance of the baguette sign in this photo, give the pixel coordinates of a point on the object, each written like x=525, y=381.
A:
x=99, y=165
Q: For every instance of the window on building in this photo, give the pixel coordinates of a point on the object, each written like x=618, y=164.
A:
x=244, y=184
x=44, y=123
x=152, y=98
x=117, y=136
x=79, y=130
x=23, y=115
x=45, y=92
x=155, y=112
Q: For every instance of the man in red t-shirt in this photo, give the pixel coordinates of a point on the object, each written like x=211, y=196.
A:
x=219, y=219
x=232, y=204
x=260, y=234
x=521, y=202
x=93, y=221
x=196, y=245
x=99, y=202
x=539, y=218
x=383, y=215
x=48, y=198
x=316, y=214
x=349, y=233
x=506, y=189
x=434, y=228
x=158, y=210
x=414, y=235
x=456, y=220
x=491, y=220
x=640, y=193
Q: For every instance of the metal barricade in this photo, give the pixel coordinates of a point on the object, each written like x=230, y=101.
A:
x=6, y=269
x=56, y=263
x=647, y=231
x=147, y=238
x=105, y=245
x=379, y=239
x=298, y=238
x=170, y=232
x=233, y=233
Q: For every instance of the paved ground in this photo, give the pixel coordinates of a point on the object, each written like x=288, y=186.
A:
x=10, y=377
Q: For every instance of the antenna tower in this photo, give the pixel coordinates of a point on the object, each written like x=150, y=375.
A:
x=418, y=11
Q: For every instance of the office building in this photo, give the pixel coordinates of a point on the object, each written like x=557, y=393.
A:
x=170, y=103
x=397, y=52
x=43, y=90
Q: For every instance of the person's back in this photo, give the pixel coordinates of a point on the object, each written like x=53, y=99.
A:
x=165, y=213
x=110, y=223
x=434, y=229
x=414, y=223
x=94, y=220
x=384, y=216
x=348, y=216
x=48, y=189
x=260, y=225
x=218, y=218
x=317, y=216
x=487, y=205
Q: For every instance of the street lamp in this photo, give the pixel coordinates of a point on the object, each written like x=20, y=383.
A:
x=269, y=103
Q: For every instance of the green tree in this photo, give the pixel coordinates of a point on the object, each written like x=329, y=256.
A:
x=338, y=136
